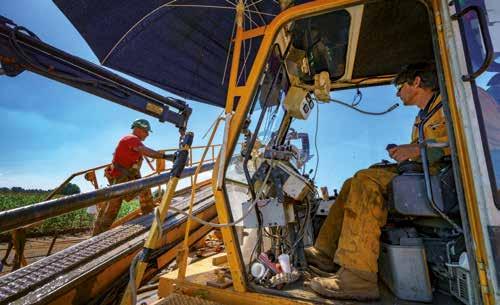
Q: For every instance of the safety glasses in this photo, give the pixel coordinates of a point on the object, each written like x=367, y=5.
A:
x=399, y=87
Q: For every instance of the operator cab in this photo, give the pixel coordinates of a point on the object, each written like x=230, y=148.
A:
x=328, y=78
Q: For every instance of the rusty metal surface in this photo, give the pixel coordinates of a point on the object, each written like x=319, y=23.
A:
x=56, y=274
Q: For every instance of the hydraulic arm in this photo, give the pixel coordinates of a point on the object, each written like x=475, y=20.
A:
x=20, y=50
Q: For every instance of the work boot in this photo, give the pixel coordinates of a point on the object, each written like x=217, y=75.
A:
x=320, y=259
x=348, y=284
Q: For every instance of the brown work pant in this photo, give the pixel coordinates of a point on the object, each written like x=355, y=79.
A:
x=107, y=214
x=351, y=232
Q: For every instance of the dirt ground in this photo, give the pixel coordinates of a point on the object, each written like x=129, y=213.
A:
x=37, y=247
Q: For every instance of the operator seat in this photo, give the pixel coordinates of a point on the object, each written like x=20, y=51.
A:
x=410, y=249
x=408, y=197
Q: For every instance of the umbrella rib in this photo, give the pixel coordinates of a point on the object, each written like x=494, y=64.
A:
x=169, y=4
x=133, y=27
x=267, y=14
x=250, y=18
x=229, y=49
x=244, y=67
x=231, y=3
x=228, y=52
x=254, y=4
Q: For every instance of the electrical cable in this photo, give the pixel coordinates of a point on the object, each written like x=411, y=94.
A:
x=363, y=111
x=131, y=281
x=260, y=240
x=271, y=235
x=228, y=52
x=359, y=82
x=316, y=142
x=357, y=98
x=248, y=151
x=314, y=211
x=213, y=124
x=255, y=134
x=229, y=224
x=302, y=229
x=269, y=123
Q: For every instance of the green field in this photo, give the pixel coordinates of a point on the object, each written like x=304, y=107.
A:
x=76, y=220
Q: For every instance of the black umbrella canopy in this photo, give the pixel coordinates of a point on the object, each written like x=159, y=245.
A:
x=181, y=46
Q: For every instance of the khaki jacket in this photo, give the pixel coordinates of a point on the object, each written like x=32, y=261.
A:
x=434, y=130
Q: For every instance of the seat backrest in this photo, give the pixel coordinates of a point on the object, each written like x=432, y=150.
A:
x=409, y=197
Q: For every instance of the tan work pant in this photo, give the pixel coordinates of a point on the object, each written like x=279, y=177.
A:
x=107, y=214
x=351, y=231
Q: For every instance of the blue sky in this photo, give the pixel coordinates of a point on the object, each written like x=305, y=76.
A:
x=50, y=130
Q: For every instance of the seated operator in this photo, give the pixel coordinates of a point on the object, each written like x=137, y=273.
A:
x=126, y=166
x=348, y=241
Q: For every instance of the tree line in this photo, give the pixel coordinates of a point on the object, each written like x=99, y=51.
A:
x=69, y=189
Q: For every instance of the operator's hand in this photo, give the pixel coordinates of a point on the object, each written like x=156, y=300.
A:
x=404, y=152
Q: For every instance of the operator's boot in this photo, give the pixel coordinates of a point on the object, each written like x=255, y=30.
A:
x=348, y=284
x=320, y=259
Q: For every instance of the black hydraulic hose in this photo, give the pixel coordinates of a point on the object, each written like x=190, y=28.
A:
x=38, y=66
x=250, y=145
x=106, y=86
x=108, y=82
x=364, y=111
x=427, y=175
x=248, y=151
x=23, y=216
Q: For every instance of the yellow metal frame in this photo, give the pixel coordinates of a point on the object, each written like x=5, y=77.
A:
x=465, y=165
x=245, y=94
x=223, y=296
x=184, y=251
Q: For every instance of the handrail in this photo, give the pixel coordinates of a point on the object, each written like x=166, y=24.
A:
x=156, y=170
x=90, y=175
x=27, y=215
x=71, y=178
x=159, y=170
x=485, y=34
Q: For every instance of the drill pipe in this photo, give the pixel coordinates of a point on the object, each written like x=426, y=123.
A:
x=24, y=216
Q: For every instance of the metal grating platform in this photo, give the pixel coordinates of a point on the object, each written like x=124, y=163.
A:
x=57, y=272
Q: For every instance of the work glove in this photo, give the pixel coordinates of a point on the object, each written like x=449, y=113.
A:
x=169, y=157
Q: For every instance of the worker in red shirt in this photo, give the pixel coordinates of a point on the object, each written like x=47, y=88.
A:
x=125, y=167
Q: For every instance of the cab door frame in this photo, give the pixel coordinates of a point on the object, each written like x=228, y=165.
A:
x=479, y=202
x=470, y=161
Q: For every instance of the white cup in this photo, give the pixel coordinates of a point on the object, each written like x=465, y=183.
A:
x=258, y=270
x=284, y=260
